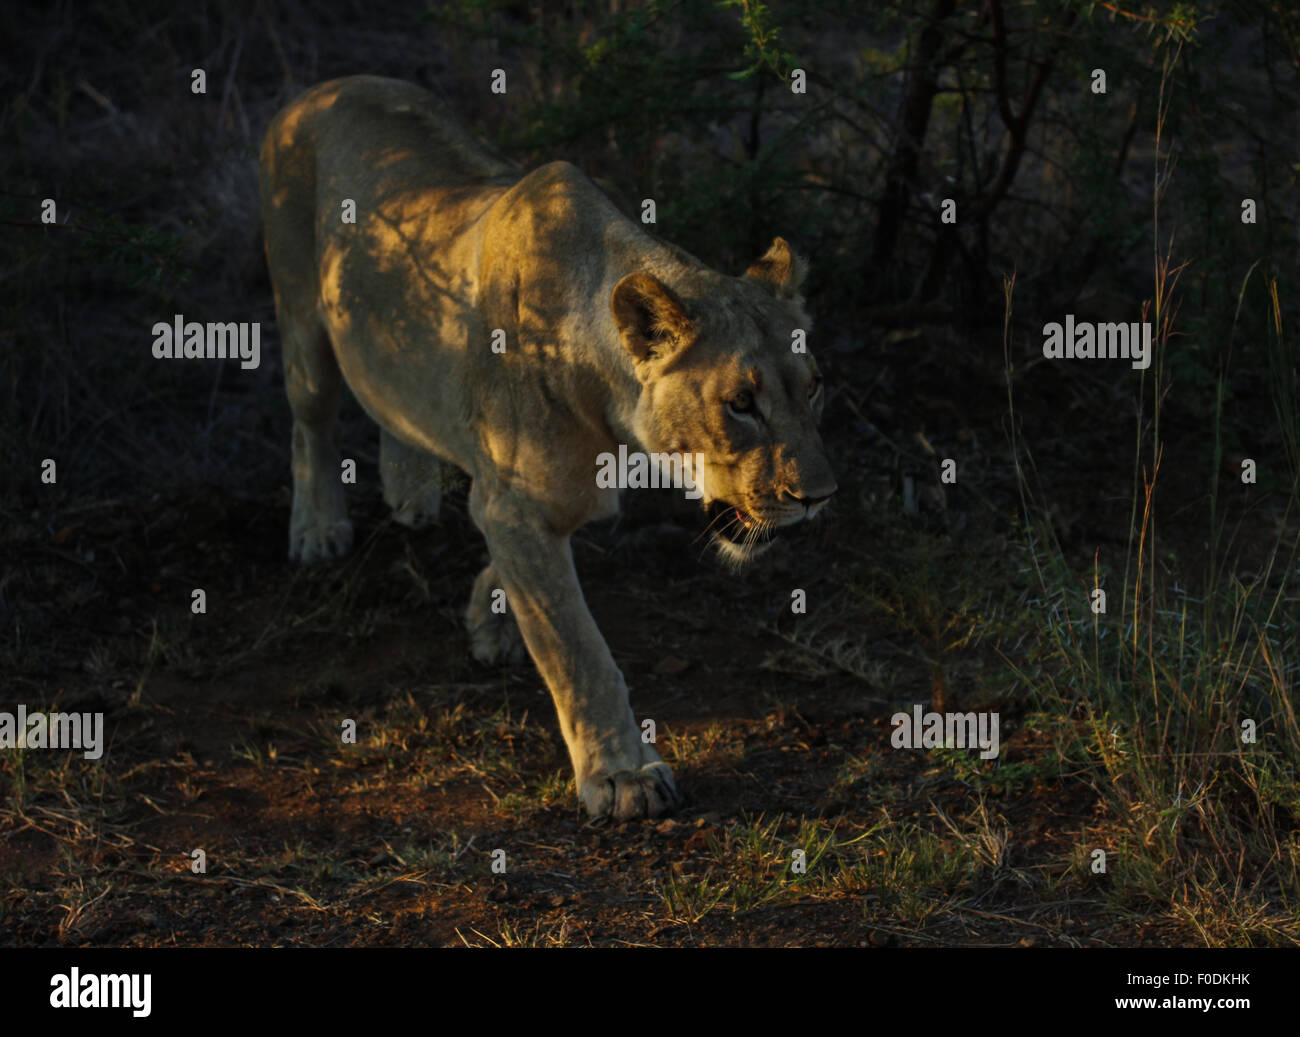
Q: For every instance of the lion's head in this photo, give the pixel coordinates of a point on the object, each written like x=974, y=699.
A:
x=721, y=378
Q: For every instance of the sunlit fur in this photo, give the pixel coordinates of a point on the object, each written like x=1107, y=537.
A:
x=610, y=336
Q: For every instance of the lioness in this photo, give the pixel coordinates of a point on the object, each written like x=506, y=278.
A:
x=610, y=337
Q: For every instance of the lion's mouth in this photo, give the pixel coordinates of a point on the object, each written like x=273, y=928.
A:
x=737, y=526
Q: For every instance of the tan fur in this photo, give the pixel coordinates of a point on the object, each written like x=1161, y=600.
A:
x=611, y=337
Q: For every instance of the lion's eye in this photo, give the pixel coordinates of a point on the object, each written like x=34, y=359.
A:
x=815, y=388
x=741, y=403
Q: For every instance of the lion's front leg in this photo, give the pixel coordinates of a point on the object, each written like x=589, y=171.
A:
x=618, y=775
x=494, y=636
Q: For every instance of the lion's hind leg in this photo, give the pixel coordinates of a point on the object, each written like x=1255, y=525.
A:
x=318, y=526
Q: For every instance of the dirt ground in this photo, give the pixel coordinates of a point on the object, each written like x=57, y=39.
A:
x=225, y=736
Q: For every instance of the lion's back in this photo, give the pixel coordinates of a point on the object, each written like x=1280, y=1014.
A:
x=367, y=138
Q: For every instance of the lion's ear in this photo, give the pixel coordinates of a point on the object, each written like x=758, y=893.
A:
x=651, y=319
x=779, y=270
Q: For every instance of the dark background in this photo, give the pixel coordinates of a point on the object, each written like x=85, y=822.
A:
x=1120, y=732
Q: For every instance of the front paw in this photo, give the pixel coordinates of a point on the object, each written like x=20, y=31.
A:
x=623, y=795
x=496, y=641
x=494, y=636
x=420, y=513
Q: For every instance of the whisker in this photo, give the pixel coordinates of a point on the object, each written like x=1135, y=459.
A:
x=725, y=513
x=716, y=535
